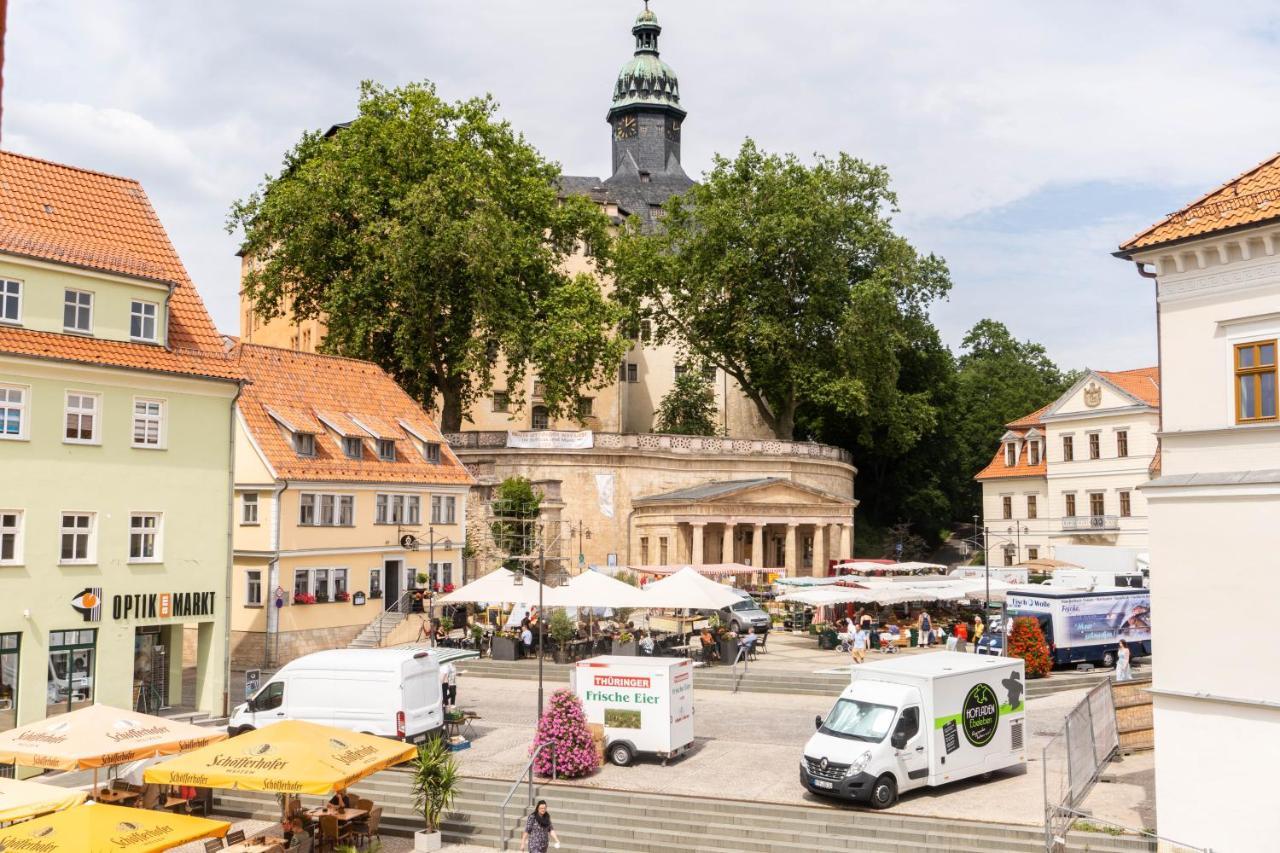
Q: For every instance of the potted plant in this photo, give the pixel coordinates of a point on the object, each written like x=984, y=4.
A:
x=446, y=622
x=561, y=630
x=727, y=641
x=422, y=579
x=303, y=598
x=435, y=784
x=477, y=635
x=342, y=595
x=624, y=643
x=505, y=645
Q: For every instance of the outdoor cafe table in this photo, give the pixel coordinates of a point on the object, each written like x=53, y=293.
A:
x=114, y=797
x=265, y=844
x=343, y=815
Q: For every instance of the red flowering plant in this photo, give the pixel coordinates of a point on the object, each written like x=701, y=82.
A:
x=303, y=598
x=448, y=588
x=564, y=727
x=342, y=596
x=1026, y=641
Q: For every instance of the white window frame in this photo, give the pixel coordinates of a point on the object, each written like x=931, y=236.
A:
x=76, y=330
x=141, y=315
x=1010, y=454
x=5, y=296
x=413, y=510
x=438, y=505
x=24, y=412
x=330, y=582
x=16, y=532
x=156, y=533
x=91, y=538
x=161, y=441
x=319, y=501
x=1088, y=442
x=346, y=509
x=252, y=579
x=376, y=572
x=96, y=414
x=245, y=504
x=382, y=508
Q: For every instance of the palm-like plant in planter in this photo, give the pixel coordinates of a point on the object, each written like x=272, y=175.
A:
x=435, y=785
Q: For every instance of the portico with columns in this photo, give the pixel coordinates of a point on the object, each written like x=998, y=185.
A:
x=770, y=523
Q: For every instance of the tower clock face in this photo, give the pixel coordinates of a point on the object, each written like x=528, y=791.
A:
x=627, y=127
x=673, y=130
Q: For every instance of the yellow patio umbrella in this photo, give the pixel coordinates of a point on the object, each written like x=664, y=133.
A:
x=289, y=757
x=99, y=736
x=20, y=800
x=97, y=828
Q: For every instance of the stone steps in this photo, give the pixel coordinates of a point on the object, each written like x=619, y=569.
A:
x=594, y=819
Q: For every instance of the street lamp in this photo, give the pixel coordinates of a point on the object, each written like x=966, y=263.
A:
x=431, y=568
x=580, y=529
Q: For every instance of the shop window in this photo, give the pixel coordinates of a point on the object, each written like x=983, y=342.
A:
x=10, y=644
x=375, y=583
x=72, y=656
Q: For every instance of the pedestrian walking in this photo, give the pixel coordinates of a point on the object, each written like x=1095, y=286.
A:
x=538, y=830
x=1124, y=669
x=860, y=639
x=926, y=629
x=978, y=627
x=449, y=684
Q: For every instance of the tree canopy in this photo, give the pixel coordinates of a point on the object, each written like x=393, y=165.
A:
x=430, y=238
x=689, y=408
x=787, y=276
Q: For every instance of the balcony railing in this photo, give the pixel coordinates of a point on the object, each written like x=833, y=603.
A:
x=662, y=443
x=1091, y=522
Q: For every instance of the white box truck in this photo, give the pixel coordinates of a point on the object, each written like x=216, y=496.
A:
x=1085, y=625
x=918, y=721
x=394, y=693
x=644, y=703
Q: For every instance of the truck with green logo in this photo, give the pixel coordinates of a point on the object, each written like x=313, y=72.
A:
x=919, y=721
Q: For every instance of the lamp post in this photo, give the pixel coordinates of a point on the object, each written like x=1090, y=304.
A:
x=580, y=528
x=431, y=569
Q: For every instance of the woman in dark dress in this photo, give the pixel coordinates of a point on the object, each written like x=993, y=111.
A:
x=538, y=830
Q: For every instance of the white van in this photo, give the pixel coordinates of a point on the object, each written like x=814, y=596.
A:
x=918, y=721
x=394, y=693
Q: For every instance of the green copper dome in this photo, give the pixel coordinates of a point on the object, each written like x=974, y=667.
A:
x=646, y=79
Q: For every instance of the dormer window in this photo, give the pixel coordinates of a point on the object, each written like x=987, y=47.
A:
x=1033, y=453
x=353, y=447
x=431, y=451
x=77, y=311
x=1010, y=454
x=304, y=444
x=386, y=450
x=142, y=320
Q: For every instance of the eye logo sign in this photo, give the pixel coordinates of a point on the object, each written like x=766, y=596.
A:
x=88, y=603
x=980, y=715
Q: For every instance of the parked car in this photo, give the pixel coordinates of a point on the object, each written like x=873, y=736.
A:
x=743, y=615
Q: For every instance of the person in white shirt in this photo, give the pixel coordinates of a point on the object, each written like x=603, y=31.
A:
x=646, y=644
x=449, y=684
x=526, y=640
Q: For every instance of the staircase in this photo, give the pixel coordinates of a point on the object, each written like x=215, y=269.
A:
x=759, y=679
x=373, y=634
x=594, y=820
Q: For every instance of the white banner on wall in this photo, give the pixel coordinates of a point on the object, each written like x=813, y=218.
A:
x=604, y=494
x=550, y=439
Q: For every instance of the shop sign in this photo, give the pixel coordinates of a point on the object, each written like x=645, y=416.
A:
x=88, y=603
x=161, y=605
x=358, y=599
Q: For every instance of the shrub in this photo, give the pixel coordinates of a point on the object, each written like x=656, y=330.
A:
x=564, y=726
x=1026, y=641
x=560, y=627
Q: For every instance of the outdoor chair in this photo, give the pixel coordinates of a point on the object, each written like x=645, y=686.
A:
x=367, y=829
x=235, y=836
x=202, y=803
x=751, y=650
x=331, y=832
x=212, y=844
x=760, y=644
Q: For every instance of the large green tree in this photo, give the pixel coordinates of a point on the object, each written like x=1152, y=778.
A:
x=430, y=237
x=787, y=276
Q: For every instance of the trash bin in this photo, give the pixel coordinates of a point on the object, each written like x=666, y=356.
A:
x=915, y=637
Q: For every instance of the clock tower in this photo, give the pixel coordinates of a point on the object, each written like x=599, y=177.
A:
x=646, y=119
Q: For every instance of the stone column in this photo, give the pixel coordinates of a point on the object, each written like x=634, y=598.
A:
x=695, y=555
x=819, y=550
x=792, y=561
x=726, y=543
x=846, y=542
x=757, y=546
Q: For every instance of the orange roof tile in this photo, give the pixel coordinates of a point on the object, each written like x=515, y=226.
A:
x=72, y=216
x=1250, y=198
x=1031, y=420
x=996, y=469
x=1143, y=383
x=301, y=385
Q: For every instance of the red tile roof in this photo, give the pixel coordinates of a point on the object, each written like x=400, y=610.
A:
x=299, y=386
x=1143, y=383
x=65, y=215
x=1031, y=420
x=1250, y=198
x=996, y=469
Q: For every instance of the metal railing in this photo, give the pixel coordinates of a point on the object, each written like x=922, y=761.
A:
x=402, y=605
x=744, y=658
x=1072, y=760
x=1179, y=846
x=528, y=771
x=1091, y=522
x=650, y=442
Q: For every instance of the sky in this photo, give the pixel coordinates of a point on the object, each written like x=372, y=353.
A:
x=1025, y=140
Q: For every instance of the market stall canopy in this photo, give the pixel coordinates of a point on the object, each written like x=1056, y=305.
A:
x=497, y=587
x=687, y=588
x=914, y=566
x=291, y=757
x=707, y=569
x=593, y=589
x=99, y=736
x=863, y=567
x=1045, y=564
x=894, y=593
x=20, y=799
x=95, y=828
x=807, y=582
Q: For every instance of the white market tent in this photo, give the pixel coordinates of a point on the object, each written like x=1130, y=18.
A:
x=686, y=588
x=594, y=589
x=497, y=587
x=861, y=567
x=895, y=593
x=708, y=569
x=807, y=582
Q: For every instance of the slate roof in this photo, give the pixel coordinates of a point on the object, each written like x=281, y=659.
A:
x=90, y=220
x=1250, y=198
x=711, y=490
x=303, y=389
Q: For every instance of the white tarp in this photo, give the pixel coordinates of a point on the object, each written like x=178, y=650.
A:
x=604, y=494
x=894, y=593
x=687, y=588
x=551, y=439
x=497, y=587
x=594, y=589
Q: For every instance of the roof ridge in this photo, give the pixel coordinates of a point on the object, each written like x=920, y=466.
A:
x=82, y=169
x=1129, y=370
x=300, y=353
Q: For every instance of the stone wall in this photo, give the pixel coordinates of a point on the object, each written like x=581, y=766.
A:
x=247, y=646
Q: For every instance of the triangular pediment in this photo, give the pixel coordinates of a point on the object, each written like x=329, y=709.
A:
x=1091, y=393
x=767, y=490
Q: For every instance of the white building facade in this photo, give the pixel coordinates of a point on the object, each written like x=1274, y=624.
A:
x=1215, y=513
x=1069, y=473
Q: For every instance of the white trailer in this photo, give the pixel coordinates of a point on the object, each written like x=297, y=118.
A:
x=644, y=703
x=915, y=722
